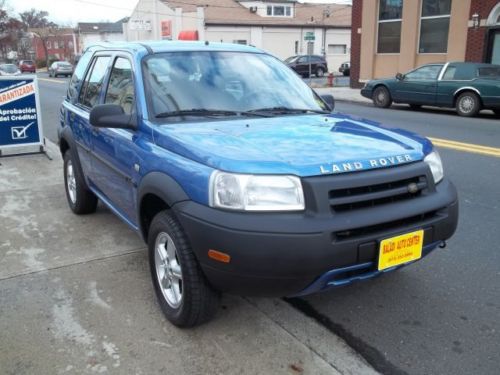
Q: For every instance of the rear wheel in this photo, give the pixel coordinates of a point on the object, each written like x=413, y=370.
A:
x=182, y=289
x=382, y=97
x=468, y=104
x=80, y=199
x=320, y=72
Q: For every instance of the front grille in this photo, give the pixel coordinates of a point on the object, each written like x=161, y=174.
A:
x=383, y=227
x=354, y=198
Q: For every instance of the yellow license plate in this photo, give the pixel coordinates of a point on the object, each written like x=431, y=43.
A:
x=400, y=249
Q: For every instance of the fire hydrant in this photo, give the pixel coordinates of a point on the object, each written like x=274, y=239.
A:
x=330, y=80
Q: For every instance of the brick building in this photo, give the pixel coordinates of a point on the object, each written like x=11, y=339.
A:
x=63, y=45
x=390, y=36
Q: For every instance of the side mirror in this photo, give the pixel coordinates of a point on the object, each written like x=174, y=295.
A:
x=400, y=77
x=329, y=100
x=111, y=116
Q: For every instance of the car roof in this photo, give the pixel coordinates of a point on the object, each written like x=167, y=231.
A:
x=172, y=46
x=479, y=65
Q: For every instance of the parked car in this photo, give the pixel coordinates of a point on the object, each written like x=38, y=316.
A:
x=60, y=68
x=301, y=63
x=240, y=178
x=345, y=68
x=27, y=66
x=468, y=87
x=9, y=70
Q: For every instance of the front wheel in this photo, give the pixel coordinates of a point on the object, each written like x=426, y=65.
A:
x=182, y=289
x=382, y=97
x=468, y=104
x=80, y=199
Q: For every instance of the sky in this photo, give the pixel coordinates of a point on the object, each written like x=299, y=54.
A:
x=70, y=12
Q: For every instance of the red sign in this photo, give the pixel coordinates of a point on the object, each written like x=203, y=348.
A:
x=166, y=29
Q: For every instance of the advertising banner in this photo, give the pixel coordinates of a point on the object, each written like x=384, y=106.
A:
x=20, y=114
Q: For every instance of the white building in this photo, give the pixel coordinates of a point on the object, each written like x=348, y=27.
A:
x=94, y=32
x=278, y=26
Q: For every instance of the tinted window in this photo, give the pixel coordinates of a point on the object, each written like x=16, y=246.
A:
x=78, y=75
x=427, y=72
x=121, y=86
x=489, y=72
x=94, y=81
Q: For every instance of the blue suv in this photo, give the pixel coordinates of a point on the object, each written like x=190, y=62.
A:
x=240, y=178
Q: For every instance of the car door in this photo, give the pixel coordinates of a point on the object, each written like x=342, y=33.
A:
x=418, y=86
x=114, y=150
x=302, y=66
x=89, y=96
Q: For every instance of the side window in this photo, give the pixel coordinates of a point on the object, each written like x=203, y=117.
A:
x=427, y=72
x=89, y=95
x=121, y=86
x=450, y=73
x=78, y=75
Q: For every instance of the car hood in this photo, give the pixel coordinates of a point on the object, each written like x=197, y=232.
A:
x=303, y=145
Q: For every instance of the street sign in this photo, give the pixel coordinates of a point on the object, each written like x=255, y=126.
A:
x=309, y=35
x=20, y=114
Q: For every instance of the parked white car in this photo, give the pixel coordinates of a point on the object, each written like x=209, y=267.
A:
x=9, y=70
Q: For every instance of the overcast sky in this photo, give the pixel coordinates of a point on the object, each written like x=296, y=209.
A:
x=69, y=12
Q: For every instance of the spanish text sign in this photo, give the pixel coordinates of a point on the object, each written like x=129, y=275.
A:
x=20, y=120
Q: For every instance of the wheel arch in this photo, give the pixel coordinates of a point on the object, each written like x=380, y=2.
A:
x=157, y=192
x=381, y=84
x=462, y=90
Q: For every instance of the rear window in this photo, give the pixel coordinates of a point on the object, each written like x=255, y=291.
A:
x=28, y=62
x=493, y=71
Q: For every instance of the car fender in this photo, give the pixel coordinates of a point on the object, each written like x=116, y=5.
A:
x=163, y=186
x=466, y=88
x=67, y=142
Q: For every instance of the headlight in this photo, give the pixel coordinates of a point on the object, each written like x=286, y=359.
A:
x=436, y=166
x=256, y=192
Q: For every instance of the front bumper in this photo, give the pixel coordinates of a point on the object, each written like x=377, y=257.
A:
x=367, y=93
x=287, y=254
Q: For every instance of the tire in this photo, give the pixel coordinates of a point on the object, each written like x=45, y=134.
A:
x=468, y=104
x=81, y=200
x=320, y=72
x=415, y=107
x=497, y=112
x=182, y=289
x=382, y=97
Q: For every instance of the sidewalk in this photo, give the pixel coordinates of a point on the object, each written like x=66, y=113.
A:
x=76, y=297
x=344, y=94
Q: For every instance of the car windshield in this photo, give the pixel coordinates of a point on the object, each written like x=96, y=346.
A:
x=8, y=68
x=28, y=62
x=224, y=81
x=64, y=64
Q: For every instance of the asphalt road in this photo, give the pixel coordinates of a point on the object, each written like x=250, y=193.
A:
x=439, y=316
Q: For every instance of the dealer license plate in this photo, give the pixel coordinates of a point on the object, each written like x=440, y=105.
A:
x=400, y=249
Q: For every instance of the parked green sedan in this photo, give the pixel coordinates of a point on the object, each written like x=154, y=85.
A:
x=468, y=87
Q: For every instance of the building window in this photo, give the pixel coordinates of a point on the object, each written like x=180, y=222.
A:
x=337, y=49
x=389, y=26
x=279, y=11
x=434, y=26
x=49, y=44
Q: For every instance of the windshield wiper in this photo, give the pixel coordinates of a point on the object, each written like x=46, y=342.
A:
x=280, y=110
x=207, y=112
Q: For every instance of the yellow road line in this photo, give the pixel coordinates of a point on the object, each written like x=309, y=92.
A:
x=466, y=147
x=52, y=80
